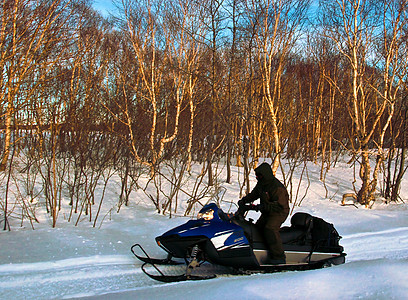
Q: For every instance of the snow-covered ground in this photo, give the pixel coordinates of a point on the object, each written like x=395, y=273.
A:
x=96, y=263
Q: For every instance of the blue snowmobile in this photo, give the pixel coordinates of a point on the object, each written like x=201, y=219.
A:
x=230, y=240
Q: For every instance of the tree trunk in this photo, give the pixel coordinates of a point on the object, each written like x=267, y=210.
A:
x=7, y=140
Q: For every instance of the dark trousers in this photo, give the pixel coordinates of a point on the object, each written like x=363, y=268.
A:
x=269, y=225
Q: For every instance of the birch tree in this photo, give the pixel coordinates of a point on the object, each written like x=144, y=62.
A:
x=392, y=51
x=352, y=25
x=30, y=34
x=278, y=24
x=392, y=59
x=189, y=31
x=144, y=26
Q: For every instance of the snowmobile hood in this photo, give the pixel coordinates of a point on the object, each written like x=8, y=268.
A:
x=266, y=173
x=201, y=227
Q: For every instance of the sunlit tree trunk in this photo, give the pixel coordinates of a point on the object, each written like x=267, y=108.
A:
x=354, y=38
x=394, y=63
x=277, y=25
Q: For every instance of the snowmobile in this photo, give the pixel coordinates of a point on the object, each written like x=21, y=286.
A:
x=229, y=240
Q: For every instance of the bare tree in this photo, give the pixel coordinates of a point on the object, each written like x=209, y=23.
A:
x=29, y=36
x=151, y=42
x=392, y=63
x=278, y=25
x=353, y=25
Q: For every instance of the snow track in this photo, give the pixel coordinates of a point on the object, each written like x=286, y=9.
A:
x=74, y=277
x=384, y=244
x=66, y=263
x=401, y=230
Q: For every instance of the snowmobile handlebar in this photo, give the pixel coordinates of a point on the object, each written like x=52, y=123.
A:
x=242, y=209
x=240, y=213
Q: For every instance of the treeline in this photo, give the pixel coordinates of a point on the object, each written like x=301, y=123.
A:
x=203, y=81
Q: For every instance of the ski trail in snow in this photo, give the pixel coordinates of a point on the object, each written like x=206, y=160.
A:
x=66, y=276
x=67, y=269
x=384, y=244
x=376, y=233
x=75, y=275
x=78, y=262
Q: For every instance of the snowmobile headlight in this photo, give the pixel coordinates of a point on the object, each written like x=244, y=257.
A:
x=207, y=215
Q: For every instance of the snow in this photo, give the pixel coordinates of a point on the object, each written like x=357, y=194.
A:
x=96, y=263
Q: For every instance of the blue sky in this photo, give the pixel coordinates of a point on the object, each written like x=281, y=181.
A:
x=104, y=6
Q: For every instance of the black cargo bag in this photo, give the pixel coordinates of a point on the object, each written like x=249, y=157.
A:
x=324, y=235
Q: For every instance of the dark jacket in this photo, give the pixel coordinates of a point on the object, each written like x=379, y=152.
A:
x=272, y=193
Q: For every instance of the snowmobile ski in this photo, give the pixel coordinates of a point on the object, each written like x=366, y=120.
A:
x=174, y=278
x=153, y=261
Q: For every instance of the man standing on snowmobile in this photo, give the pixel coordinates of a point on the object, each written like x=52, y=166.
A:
x=274, y=207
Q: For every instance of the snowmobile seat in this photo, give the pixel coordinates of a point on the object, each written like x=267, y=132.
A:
x=299, y=231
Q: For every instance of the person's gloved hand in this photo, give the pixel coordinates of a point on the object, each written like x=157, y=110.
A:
x=242, y=206
x=241, y=203
x=241, y=210
x=257, y=207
